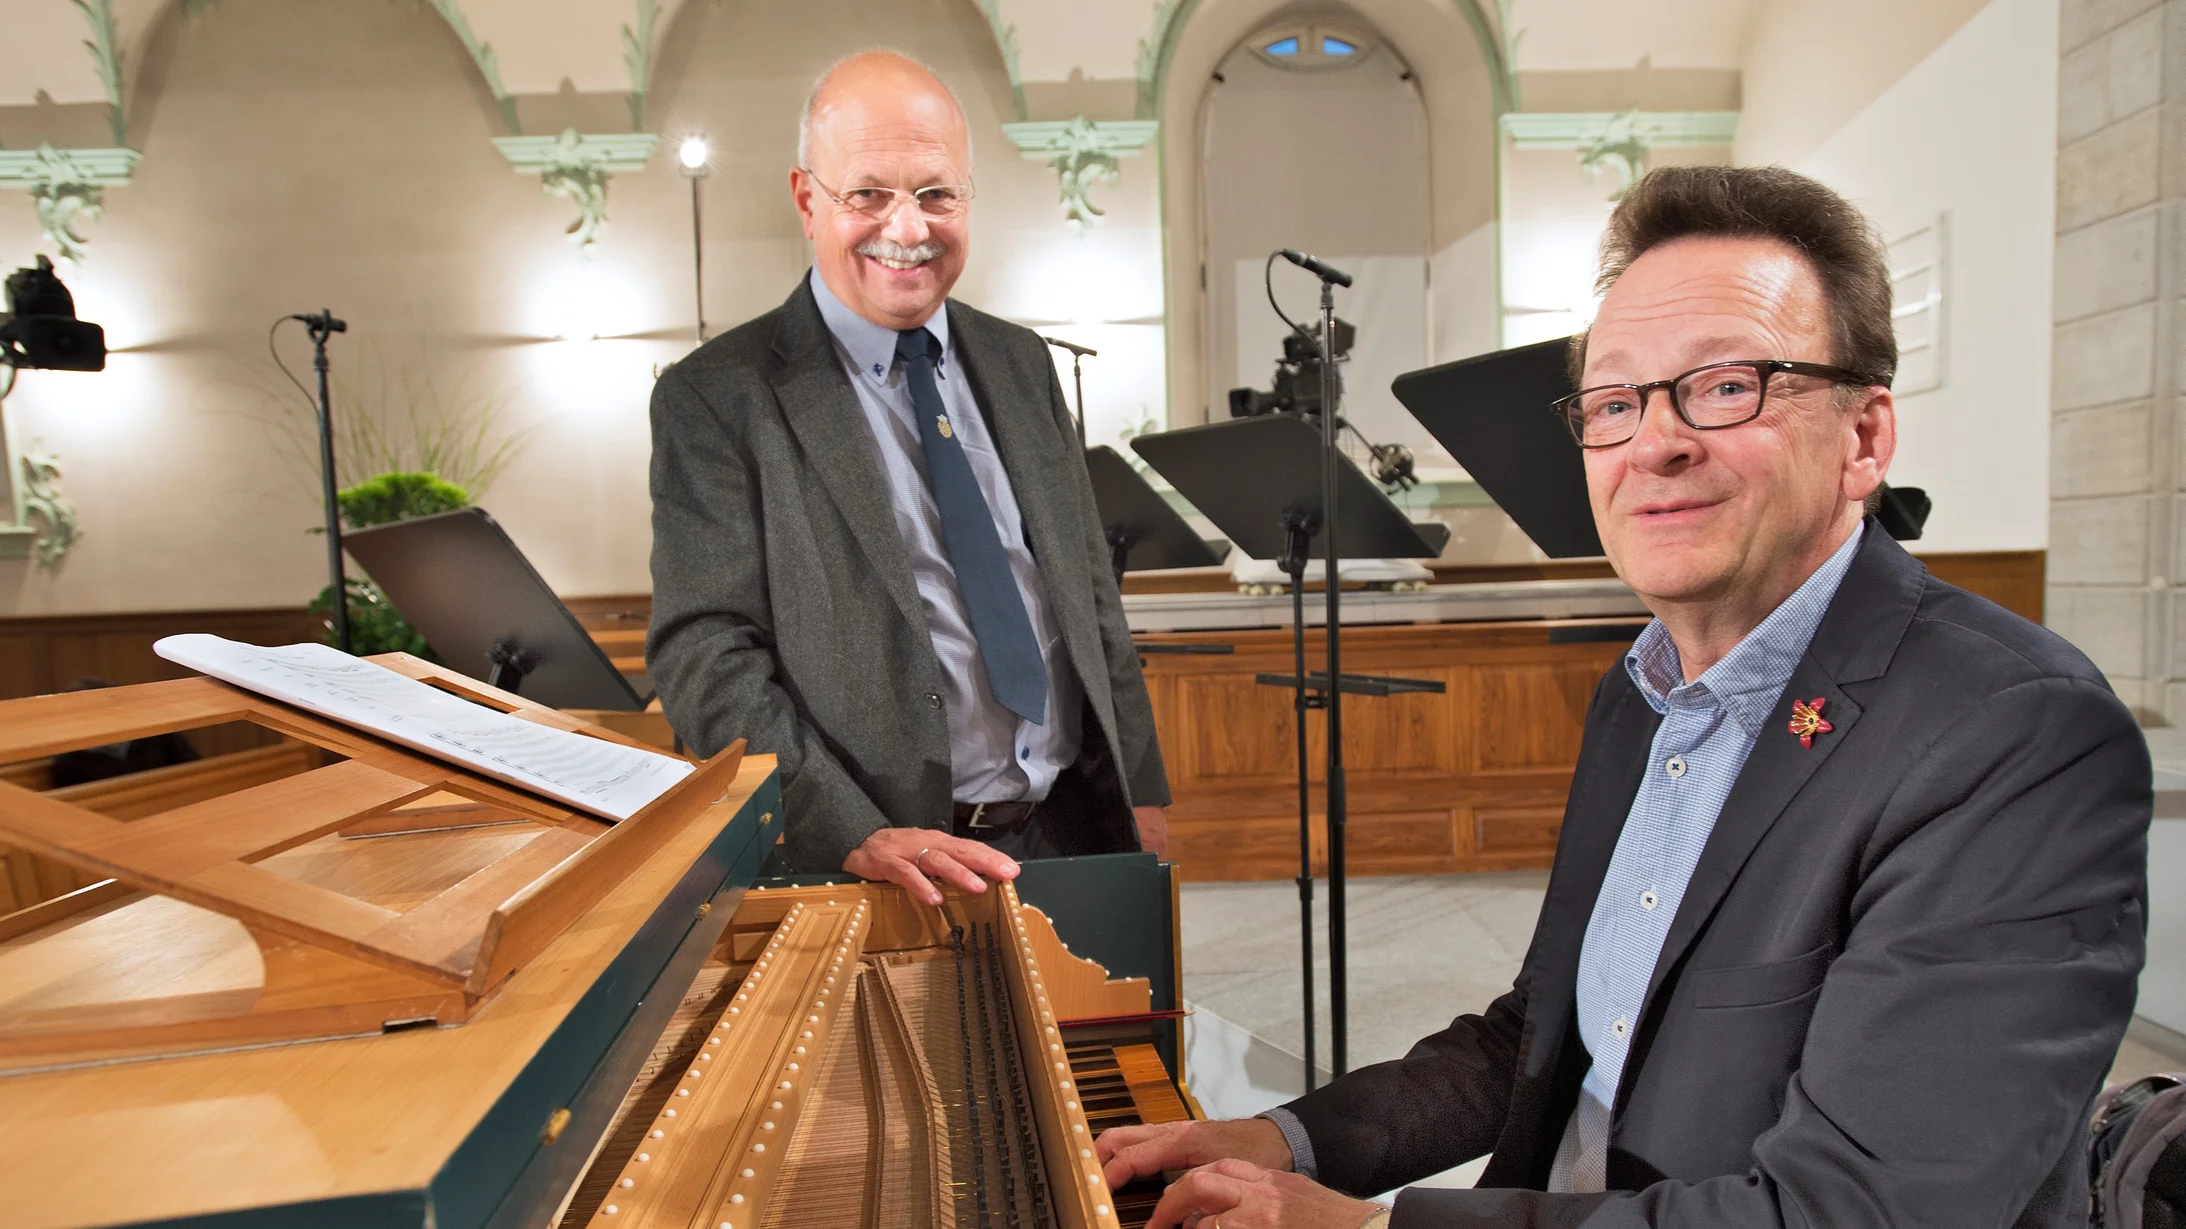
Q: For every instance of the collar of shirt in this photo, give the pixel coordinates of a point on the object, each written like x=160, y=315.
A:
x=1752, y=675
x=871, y=346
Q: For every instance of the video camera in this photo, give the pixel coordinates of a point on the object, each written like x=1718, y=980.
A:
x=41, y=328
x=1297, y=376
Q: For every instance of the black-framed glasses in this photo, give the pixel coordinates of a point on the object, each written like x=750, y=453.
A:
x=1707, y=398
x=940, y=201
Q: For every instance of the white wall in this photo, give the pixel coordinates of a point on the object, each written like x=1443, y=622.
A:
x=2163, y=982
x=1333, y=162
x=1972, y=130
x=1812, y=65
x=1461, y=296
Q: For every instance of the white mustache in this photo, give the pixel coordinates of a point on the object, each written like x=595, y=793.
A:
x=889, y=249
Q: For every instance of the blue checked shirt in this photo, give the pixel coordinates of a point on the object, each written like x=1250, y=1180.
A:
x=1709, y=727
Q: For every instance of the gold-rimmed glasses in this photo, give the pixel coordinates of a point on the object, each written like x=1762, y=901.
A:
x=938, y=202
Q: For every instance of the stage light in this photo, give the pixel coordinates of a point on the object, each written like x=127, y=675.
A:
x=41, y=328
x=693, y=153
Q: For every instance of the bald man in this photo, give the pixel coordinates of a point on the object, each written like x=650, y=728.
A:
x=875, y=552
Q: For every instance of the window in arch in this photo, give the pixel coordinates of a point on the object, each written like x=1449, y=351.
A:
x=1311, y=45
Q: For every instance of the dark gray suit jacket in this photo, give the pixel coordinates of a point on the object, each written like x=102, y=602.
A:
x=1898, y=977
x=784, y=610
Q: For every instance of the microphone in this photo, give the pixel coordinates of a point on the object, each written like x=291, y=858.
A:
x=1073, y=347
x=1327, y=273
x=325, y=321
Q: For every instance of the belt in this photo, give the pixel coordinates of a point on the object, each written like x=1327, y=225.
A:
x=985, y=820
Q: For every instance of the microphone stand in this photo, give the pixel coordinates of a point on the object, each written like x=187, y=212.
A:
x=1077, y=377
x=1332, y=588
x=1298, y=531
x=321, y=326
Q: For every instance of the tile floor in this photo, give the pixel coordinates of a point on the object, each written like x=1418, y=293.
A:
x=1422, y=949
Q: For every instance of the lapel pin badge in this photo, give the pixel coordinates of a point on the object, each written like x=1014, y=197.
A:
x=941, y=422
x=1807, y=720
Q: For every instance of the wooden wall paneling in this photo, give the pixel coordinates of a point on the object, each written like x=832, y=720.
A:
x=1528, y=714
x=2012, y=579
x=44, y=653
x=1472, y=779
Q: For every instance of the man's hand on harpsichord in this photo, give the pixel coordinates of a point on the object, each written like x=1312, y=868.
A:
x=1130, y=1153
x=915, y=857
x=1238, y=1177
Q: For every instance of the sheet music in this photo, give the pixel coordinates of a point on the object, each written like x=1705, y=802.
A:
x=595, y=775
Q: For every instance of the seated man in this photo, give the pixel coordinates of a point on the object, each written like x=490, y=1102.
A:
x=1845, y=922
x=875, y=551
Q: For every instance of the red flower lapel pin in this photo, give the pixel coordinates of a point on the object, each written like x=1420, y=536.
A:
x=1807, y=720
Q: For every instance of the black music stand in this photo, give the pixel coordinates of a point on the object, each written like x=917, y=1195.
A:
x=1144, y=533
x=486, y=611
x=1492, y=413
x=1260, y=480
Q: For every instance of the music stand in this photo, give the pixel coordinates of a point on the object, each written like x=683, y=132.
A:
x=1492, y=413
x=486, y=611
x=1263, y=482
x=1144, y=533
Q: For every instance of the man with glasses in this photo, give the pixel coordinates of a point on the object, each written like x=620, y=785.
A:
x=875, y=552
x=1849, y=903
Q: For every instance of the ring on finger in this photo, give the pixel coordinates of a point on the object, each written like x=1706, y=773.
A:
x=920, y=856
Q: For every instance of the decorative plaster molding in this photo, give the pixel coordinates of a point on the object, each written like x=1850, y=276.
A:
x=39, y=478
x=1617, y=140
x=65, y=185
x=1579, y=129
x=105, y=48
x=637, y=53
x=578, y=165
x=1498, y=50
x=1005, y=37
x=34, y=487
x=1149, y=61
x=489, y=66
x=1082, y=153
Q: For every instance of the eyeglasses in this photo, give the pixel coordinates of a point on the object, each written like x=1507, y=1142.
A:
x=938, y=202
x=1707, y=399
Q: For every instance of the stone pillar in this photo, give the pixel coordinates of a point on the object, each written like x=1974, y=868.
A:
x=2115, y=400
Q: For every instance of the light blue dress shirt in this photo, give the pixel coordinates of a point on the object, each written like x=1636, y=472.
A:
x=994, y=755
x=1709, y=727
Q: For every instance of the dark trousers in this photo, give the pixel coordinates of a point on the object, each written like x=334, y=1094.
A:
x=1083, y=813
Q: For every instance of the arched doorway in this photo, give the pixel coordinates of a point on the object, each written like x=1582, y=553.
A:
x=1316, y=138
x=1456, y=75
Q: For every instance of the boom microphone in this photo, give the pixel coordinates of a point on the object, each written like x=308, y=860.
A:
x=1327, y=273
x=325, y=321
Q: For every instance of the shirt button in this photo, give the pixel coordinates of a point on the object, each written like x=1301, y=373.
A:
x=1024, y=754
x=1675, y=766
x=933, y=699
x=1648, y=899
x=1618, y=1028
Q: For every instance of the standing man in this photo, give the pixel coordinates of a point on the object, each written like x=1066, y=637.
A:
x=1849, y=905
x=875, y=551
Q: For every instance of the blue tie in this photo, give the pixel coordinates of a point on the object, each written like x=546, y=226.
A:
x=1015, y=674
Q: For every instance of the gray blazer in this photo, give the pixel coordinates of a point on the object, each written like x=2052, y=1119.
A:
x=1890, y=993
x=784, y=610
